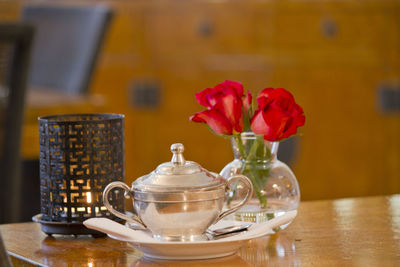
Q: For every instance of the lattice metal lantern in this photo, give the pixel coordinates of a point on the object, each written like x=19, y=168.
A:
x=80, y=154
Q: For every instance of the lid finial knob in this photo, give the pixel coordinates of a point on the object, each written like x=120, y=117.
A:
x=177, y=158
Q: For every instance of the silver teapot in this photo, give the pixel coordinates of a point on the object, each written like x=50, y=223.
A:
x=179, y=200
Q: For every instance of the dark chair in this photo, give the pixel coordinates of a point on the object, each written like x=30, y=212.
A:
x=15, y=47
x=4, y=260
x=66, y=45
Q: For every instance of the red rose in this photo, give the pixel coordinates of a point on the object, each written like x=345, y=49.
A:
x=224, y=107
x=278, y=116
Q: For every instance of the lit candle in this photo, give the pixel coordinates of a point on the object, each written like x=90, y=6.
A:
x=89, y=197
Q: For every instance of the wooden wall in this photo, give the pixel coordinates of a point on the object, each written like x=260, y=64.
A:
x=333, y=56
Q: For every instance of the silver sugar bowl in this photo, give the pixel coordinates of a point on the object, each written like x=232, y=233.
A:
x=179, y=200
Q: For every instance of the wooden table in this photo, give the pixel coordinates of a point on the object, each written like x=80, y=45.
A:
x=344, y=232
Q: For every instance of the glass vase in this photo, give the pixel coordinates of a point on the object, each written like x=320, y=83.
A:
x=276, y=190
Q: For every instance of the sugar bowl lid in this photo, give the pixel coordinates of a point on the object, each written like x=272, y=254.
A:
x=178, y=175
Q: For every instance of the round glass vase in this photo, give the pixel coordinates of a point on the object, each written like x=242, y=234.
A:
x=276, y=190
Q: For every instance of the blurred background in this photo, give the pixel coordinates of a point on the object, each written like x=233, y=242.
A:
x=147, y=59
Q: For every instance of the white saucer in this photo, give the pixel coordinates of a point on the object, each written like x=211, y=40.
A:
x=186, y=250
x=156, y=249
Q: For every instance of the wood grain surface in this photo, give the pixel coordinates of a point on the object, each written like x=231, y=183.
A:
x=343, y=232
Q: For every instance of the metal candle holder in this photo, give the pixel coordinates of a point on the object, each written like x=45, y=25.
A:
x=80, y=154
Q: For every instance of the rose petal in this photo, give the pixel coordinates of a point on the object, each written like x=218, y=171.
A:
x=258, y=125
x=219, y=92
x=215, y=120
x=282, y=92
x=276, y=120
x=270, y=123
x=293, y=124
x=202, y=97
x=231, y=107
x=237, y=86
x=266, y=92
x=247, y=102
x=297, y=110
x=263, y=97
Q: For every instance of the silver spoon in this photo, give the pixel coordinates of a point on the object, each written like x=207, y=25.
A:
x=227, y=231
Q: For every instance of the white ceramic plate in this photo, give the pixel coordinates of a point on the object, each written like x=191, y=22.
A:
x=156, y=249
x=186, y=250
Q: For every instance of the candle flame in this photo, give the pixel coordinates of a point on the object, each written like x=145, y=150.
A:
x=89, y=197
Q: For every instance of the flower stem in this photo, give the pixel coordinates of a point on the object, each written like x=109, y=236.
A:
x=240, y=146
x=249, y=168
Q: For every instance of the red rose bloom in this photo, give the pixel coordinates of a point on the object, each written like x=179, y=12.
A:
x=278, y=116
x=224, y=108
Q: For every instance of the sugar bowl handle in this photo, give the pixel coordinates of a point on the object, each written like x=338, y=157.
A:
x=127, y=193
x=249, y=194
